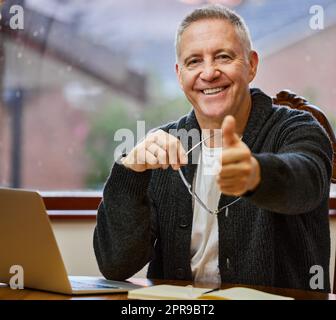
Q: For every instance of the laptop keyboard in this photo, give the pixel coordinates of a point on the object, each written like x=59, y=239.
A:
x=94, y=285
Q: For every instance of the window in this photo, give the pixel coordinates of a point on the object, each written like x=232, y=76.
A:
x=78, y=71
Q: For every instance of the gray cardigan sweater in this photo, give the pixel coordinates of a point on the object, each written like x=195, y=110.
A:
x=271, y=237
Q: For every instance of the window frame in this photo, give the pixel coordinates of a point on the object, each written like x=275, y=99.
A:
x=83, y=205
x=68, y=205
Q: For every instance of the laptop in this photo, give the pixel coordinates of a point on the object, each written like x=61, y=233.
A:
x=27, y=239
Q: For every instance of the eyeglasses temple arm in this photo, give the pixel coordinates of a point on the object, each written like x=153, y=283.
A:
x=192, y=193
x=187, y=184
x=201, y=203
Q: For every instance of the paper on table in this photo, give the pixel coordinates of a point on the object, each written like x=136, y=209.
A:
x=167, y=292
x=240, y=293
x=171, y=292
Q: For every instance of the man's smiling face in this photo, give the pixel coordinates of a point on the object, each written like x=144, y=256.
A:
x=214, y=70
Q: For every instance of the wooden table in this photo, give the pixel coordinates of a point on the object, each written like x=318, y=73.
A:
x=8, y=294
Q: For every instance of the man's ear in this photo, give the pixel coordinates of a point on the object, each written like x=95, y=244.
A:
x=178, y=74
x=253, y=61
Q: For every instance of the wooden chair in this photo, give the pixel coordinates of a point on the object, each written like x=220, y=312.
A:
x=294, y=101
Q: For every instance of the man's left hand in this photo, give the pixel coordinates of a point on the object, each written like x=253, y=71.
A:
x=240, y=170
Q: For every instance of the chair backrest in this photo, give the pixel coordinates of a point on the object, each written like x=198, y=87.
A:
x=294, y=101
x=290, y=99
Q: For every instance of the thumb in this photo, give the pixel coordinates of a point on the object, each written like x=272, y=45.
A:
x=229, y=136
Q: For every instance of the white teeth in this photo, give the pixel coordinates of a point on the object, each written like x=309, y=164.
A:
x=213, y=90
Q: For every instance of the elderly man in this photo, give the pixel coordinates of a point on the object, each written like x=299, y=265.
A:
x=261, y=217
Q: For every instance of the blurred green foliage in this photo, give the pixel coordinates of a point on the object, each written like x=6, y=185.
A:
x=100, y=145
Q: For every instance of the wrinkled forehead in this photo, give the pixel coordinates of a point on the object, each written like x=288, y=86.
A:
x=209, y=35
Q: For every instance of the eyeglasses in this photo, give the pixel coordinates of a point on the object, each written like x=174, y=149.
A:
x=193, y=194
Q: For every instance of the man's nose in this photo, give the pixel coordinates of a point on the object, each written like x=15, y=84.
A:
x=209, y=72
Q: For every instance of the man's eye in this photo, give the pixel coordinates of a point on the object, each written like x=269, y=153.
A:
x=223, y=57
x=193, y=62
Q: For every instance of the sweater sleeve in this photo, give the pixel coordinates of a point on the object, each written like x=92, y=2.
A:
x=124, y=234
x=296, y=178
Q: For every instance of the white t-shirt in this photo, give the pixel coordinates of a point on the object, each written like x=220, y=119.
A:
x=204, y=238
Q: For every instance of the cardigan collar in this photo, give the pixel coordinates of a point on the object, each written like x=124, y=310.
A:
x=260, y=112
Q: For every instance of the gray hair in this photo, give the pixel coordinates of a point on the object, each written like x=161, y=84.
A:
x=215, y=12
